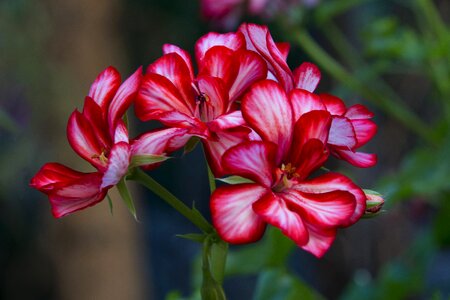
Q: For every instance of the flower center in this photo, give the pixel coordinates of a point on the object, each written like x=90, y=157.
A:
x=102, y=157
x=285, y=175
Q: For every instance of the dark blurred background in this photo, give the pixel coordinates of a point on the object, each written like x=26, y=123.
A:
x=51, y=51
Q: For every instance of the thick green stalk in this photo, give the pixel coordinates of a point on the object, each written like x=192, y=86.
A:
x=394, y=107
x=191, y=214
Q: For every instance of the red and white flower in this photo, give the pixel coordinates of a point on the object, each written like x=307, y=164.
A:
x=351, y=128
x=204, y=105
x=308, y=211
x=99, y=135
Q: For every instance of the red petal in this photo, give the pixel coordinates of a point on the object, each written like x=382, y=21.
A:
x=330, y=209
x=156, y=142
x=118, y=162
x=169, y=48
x=312, y=156
x=227, y=121
x=342, y=133
x=96, y=118
x=105, y=86
x=232, y=213
x=83, y=139
x=52, y=176
x=266, y=108
x=358, y=159
x=258, y=39
x=217, y=98
x=158, y=94
x=320, y=240
x=334, y=105
x=358, y=111
x=312, y=125
x=125, y=95
x=77, y=195
x=174, y=68
x=121, y=133
x=365, y=131
x=252, y=68
x=284, y=49
x=336, y=182
x=274, y=210
x=177, y=119
x=253, y=160
x=307, y=77
x=233, y=41
x=222, y=141
x=219, y=61
x=303, y=101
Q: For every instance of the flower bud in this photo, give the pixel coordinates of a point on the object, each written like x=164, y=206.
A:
x=374, y=203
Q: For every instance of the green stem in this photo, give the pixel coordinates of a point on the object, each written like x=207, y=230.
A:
x=212, y=281
x=192, y=215
x=391, y=105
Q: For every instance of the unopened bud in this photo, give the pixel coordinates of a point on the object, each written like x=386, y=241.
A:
x=374, y=203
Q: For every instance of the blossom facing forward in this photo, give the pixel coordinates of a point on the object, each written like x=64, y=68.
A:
x=308, y=211
x=204, y=105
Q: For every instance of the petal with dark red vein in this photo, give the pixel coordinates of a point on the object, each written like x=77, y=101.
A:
x=232, y=213
x=365, y=131
x=333, y=104
x=158, y=94
x=77, y=195
x=173, y=67
x=303, y=101
x=252, y=68
x=330, y=209
x=358, y=159
x=253, y=160
x=221, y=62
x=222, y=141
x=335, y=182
x=306, y=77
x=233, y=41
x=320, y=239
x=83, y=140
x=52, y=176
x=275, y=211
x=169, y=48
x=125, y=95
x=104, y=87
x=266, y=108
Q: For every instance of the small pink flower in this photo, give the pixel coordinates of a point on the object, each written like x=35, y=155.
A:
x=308, y=211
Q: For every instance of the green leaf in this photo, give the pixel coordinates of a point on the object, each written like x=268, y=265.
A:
x=196, y=237
x=191, y=144
x=110, y=204
x=141, y=160
x=277, y=284
x=126, y=197
x=235, y=180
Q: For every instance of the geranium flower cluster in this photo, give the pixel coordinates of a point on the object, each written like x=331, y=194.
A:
x=256, y=119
